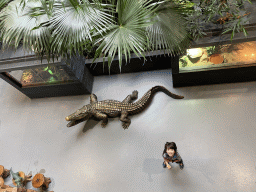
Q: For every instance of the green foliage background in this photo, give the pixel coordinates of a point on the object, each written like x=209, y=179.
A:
x=109, y=28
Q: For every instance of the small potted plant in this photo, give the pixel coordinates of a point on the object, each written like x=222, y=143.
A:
x=214, y=54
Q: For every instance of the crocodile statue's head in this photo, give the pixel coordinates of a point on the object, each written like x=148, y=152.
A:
x=80, y=115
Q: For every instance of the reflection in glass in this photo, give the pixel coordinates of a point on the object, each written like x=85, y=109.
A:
x=44, y=75
x=219, y=55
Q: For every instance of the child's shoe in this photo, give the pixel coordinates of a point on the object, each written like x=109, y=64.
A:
x=164, y=165
x=181, y=166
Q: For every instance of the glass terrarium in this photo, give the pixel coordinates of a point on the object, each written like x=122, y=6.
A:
x=39, y=78
x=42, y=75
x=218, y=56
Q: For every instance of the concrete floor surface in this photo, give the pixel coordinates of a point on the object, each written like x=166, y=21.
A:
x=213, y=127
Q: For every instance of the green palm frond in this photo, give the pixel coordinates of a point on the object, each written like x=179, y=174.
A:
x=129, y=33
x=3, y=3
x=74, y=24
x=45, y=8
x=16, y=27
x=168, y=31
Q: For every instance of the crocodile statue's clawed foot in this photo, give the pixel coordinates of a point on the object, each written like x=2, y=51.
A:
x=134, y=95
x=103, y=125
x=131, y=97
x=126, y=125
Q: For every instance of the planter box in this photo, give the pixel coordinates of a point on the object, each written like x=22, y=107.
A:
x=155, y=60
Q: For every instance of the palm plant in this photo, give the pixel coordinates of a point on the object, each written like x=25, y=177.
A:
x=63, y=28
x=4, y=3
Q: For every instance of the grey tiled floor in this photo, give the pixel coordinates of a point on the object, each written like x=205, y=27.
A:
x=214, y=128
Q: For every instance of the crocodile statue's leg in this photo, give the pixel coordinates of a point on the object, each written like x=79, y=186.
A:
x=93, y=98
x=131, y=97
x=101, y=116
x=124, y=118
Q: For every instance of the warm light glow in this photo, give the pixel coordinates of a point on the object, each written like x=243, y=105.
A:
x=193, y=53
x=248, y=55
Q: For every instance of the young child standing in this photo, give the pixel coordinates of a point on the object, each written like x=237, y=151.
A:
x=170, y=154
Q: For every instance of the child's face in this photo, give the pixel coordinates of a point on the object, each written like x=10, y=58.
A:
x=170, y=152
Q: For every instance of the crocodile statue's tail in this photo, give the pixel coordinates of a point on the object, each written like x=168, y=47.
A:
x=166, y=91
x=146, y=99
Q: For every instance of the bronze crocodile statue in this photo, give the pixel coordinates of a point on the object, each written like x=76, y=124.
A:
x=102, y=110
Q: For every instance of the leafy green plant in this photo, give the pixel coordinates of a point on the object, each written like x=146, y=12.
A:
x=95, y=28
x=4, y=3
x=62, y=28
x=210, y=50
x=210, y=9
x=183, y=62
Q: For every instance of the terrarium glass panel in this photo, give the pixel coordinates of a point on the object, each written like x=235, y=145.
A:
x=218, y=56
x=43, y=75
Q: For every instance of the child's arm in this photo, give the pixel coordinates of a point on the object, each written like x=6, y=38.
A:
x=178, y=158
x=167, y=160
x=167, y=163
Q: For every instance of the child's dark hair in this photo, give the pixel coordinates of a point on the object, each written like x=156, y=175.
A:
x=170, y=145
